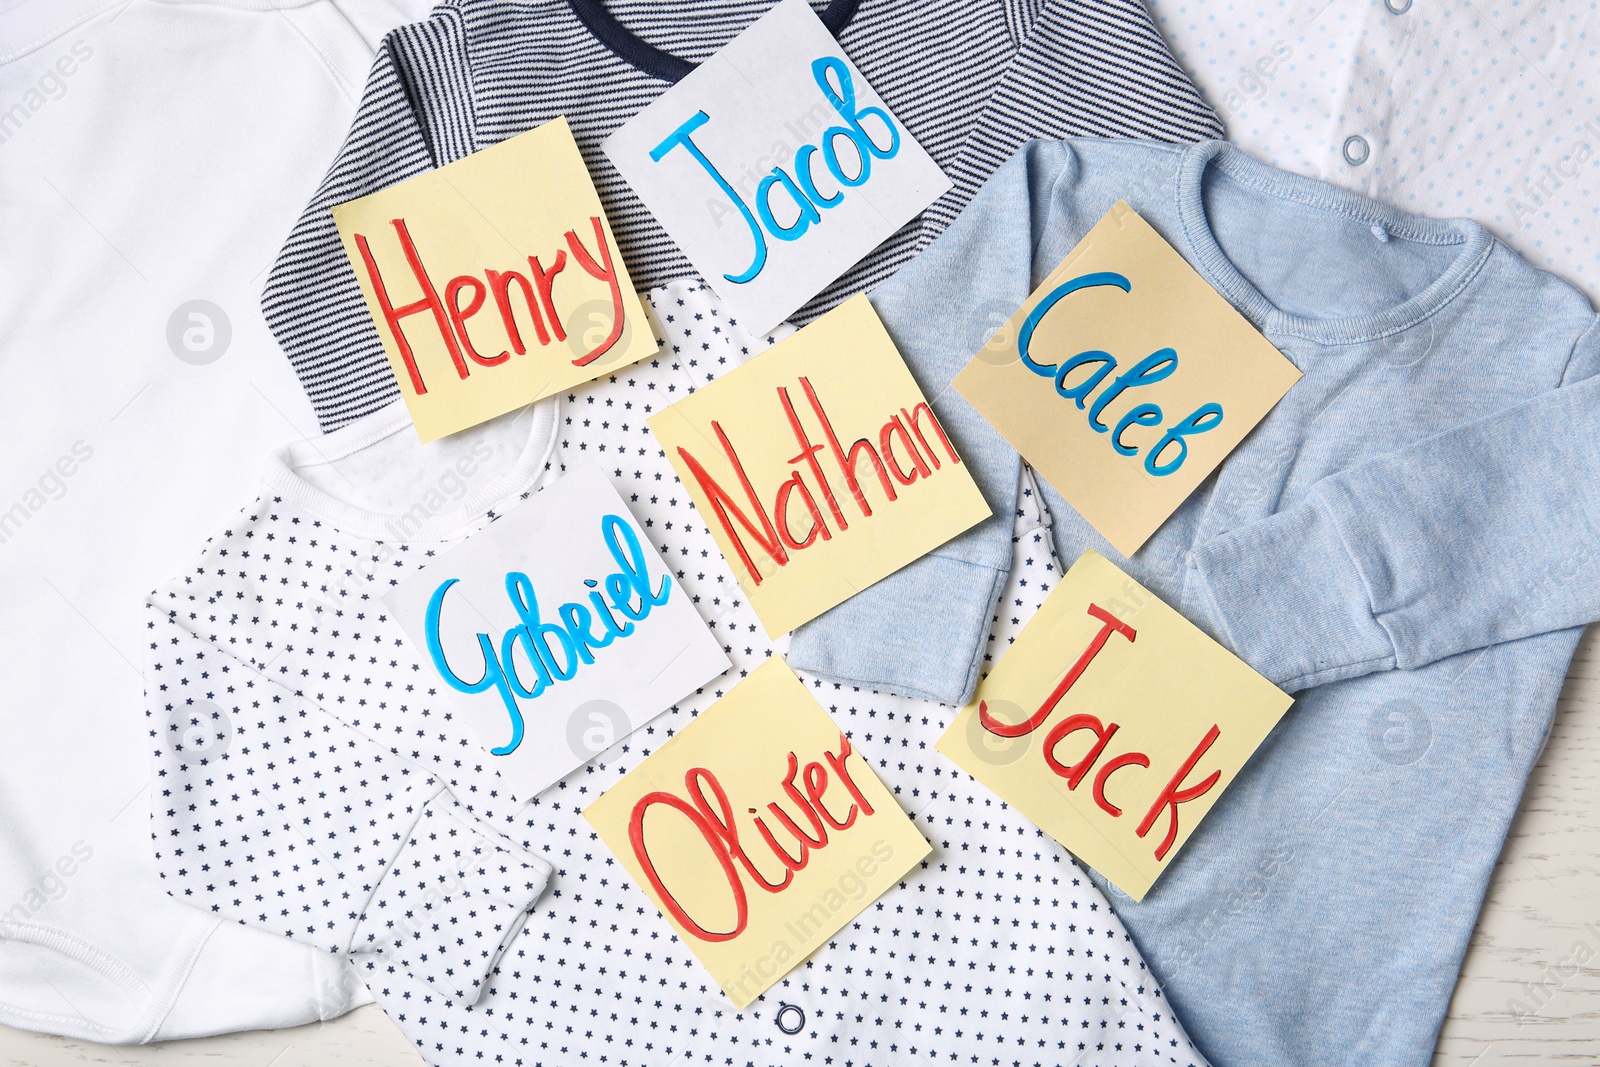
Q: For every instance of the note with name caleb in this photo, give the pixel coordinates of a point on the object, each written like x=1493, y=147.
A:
x=555, y=630
x=1113, y=723
x=819, y=467
x=1125, y=379
x=774, y=166
x=494, y=281
x=758, y=832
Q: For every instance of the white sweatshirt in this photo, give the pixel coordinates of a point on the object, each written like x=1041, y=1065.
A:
x=151, y=155
x=1440, y=107
x=312, y=781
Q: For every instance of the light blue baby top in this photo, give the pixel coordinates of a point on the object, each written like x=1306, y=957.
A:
x=1407, y=542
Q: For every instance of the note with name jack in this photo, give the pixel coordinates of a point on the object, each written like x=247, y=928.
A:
x=1114, y=724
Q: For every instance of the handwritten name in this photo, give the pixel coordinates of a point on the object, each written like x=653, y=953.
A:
x=630, y=596
x=1156, y=367
x=719, y=827
x=832, y=76
x=1171, y=795
x=771, y=529
x=450, y=316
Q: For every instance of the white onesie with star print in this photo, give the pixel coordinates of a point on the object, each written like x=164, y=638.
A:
x=312, y=780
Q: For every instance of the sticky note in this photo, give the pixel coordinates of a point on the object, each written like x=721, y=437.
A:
x=819, y=467
x=758, y=832
x=774, y=166
x=554, y=631
x=494, y=281
x=1114, y=724
x=1125, y=379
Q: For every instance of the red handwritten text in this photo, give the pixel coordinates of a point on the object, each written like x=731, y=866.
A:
x=896, y=460
x=1170, y=796
x=716, y=822
x=450, y=315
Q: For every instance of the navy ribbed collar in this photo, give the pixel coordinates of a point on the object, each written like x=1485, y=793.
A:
x=664, y=65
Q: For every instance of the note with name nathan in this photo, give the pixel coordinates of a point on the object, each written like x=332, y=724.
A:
x=758, y=832
x=775, y=166
x=494, y=281
x=555, y=630
x=819, y=467
x=1125, y=379
x=1114, y=724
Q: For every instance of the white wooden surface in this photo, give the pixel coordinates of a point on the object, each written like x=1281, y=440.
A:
x=1529, y=991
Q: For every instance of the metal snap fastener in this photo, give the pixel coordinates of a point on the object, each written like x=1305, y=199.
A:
x=799, y=1016
x=1397, y=8
x=1356, y=150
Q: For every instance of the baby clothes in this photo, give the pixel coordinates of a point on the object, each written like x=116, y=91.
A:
x=1404, y=541
x=312, y=780
x=1445, y=107
x=971, y=82
x=151, y=156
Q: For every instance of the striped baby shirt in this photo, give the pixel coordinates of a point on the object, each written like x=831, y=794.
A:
x=971, y=82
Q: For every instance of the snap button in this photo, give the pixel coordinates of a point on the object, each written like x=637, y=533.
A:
x=793, y=1012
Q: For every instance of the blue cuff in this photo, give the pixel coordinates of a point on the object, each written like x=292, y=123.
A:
x=1286, y=596
x=919, y=632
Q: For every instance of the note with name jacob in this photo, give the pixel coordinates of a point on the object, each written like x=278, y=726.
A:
x=758, y=832
x=819, y=467
x=775, y=166
x=1114, y=724
x=1125, y=379
x=494, y=281
x=555, y=631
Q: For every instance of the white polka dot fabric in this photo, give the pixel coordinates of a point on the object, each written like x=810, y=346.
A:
x=312, y=780
x=1443, y=107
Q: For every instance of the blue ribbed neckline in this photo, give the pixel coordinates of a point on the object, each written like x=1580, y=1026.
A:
x=664, y=65
x=1210, y=260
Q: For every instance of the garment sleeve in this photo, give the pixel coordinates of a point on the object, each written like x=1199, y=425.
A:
x=920, y=631
x=1482, y=534
x=268, y=810
x=312, y=301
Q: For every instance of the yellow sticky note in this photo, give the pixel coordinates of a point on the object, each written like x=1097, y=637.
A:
x=494, y=281
x=819, y=467
x=1125, y=379
x=758, y=832
x=1114, y=724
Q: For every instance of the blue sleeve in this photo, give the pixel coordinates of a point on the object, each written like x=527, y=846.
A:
x=920, y=631
x=1486, y=533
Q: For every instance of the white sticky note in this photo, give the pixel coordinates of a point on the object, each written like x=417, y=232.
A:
x=775, y=166
x=556, y=630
